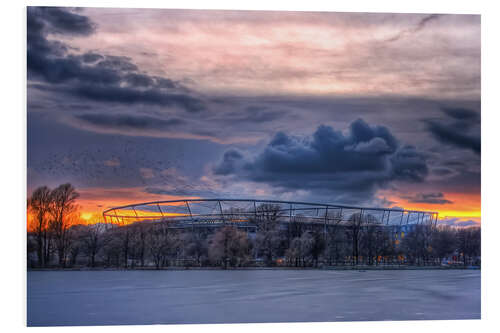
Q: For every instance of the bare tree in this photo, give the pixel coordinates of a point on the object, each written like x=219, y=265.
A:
x=39, y=205
x=31, y=250
x=335, y=240
x=75, y=242
x=93, y=239
x=443, y=242
x=300, y=249
x=139, y=241
x=318, y=246
x=195, y=246
x=124, y=231
x=294, y=252
x=112, y=248
x=354, y=228
x=413, y=244
x=268, y=240
x=162, y=243
x=156, y=241
x=62, y=206
x=469, y=243
x=268, y=215
x=268, y=243
x=229, y=246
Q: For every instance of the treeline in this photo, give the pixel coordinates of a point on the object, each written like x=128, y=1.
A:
x=356, y=240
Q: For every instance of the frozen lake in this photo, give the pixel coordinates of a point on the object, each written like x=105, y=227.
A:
x=249, y=296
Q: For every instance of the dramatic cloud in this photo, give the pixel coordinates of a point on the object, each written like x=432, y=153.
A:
x=409, y=164
x=463, y=131
x=128, y=121
x=231, y=160
x=229, y=104
x=453, y=135
x=93, y=76
x=361, y=161
x=430, y=198
x=254, y=114
x=465, y=115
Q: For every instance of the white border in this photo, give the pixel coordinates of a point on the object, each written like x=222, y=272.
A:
x=13, y=131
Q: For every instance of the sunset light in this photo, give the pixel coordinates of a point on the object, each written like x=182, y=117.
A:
x=189, y=166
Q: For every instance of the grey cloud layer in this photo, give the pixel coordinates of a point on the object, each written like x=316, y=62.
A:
x=129, y=122
x=310, y=53
x=430, y=198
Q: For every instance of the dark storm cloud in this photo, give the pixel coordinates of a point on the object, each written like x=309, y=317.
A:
x=131, y=96
x=462, y=114
x=64, y=22
x=229, y=163
x=93, y=76
x=359, y=162
x=91, y=57
x=384, y=202
x=409, y=164
x=463, y=131
x=429, y=198
x=454, y=136
x=442, y=171
x=128, y=121
x=259, y=114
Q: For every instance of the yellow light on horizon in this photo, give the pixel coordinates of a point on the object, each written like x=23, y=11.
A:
x=462, y=214
x=86, y=216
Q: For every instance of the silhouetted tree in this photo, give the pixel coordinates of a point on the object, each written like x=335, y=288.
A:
x=162, y=244
x=469, y=243
x=354, y=228
x=335, y=238
x=62, y=206
x=318, y=245
x=39, y=205
x=443, y=242
x=94, y=237
x=139, y=234
x=112, y=248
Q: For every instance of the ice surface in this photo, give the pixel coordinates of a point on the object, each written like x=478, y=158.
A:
x=249, y=296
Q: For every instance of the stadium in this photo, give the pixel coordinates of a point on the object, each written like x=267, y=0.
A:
x=244, y=214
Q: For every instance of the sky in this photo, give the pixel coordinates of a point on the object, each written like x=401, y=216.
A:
x=135, y=105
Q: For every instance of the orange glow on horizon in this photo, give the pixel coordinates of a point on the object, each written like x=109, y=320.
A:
x=463, y=205
x=93, y=201
x=96, y=200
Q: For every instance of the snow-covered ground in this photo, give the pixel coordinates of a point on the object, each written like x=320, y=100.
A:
x=249, y=296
